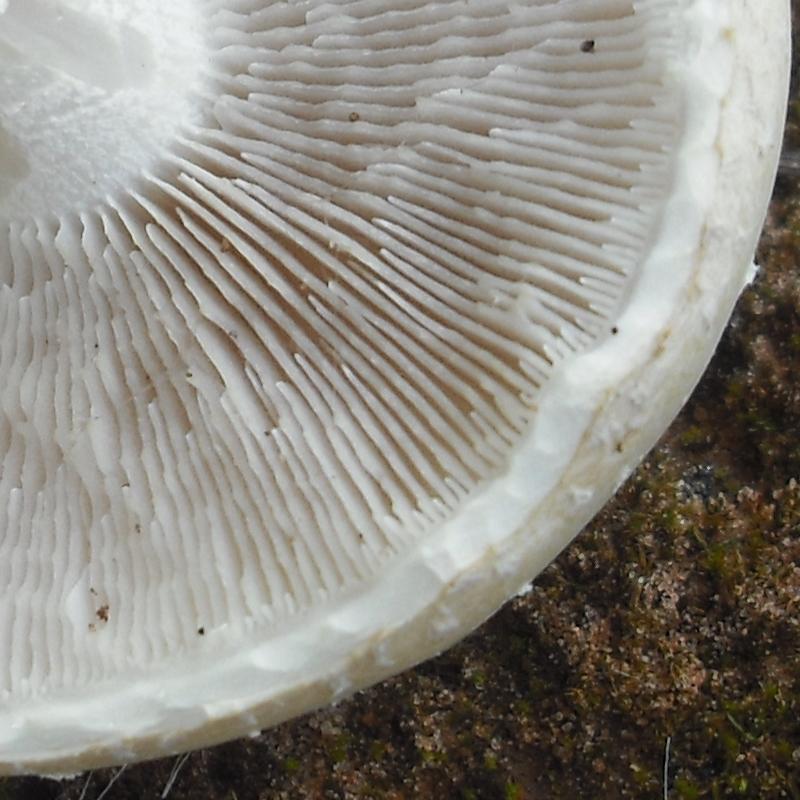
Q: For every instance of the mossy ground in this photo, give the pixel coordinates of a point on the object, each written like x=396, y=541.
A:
x=674, y=618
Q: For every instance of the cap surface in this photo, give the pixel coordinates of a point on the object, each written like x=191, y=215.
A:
x=333, y=324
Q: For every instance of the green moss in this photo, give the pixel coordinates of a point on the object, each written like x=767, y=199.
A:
x=377, y=750
x=642, y=776
x=736, y=389
x=670, y=521
x=433, y=757
x=731, y=745
x=694, y=436
x=338, y=748
x=740, y=785
x=687, y=790
x=721, y=561
x=522, y=708
x=291, y=764
x=513, y=791
x=538, y=688
x=784, y=751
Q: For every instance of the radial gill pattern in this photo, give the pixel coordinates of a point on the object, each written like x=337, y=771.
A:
x=249, y=372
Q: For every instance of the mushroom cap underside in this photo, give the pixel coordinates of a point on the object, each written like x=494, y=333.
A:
x=326, y=326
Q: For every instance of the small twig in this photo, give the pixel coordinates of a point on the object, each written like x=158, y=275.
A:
x=112, y=782
x=173, y=776
x=86, y=785
x=666, y=767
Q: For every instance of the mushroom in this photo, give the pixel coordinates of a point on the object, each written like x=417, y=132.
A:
x=327, y=325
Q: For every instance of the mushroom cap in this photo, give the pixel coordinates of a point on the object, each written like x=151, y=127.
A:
x=326, y=326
